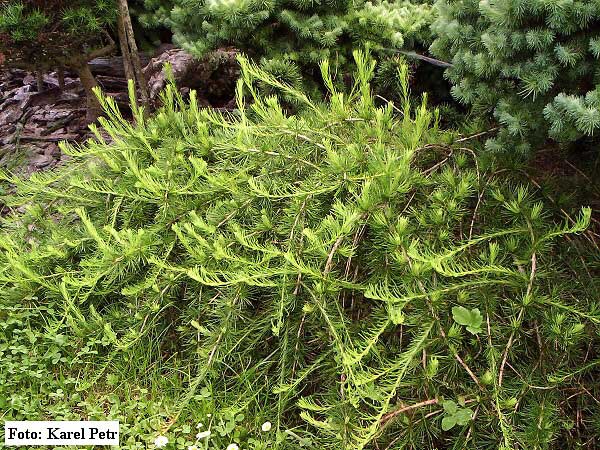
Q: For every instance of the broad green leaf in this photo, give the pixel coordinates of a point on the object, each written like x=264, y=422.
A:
x=472, y=319
x=448, y=423
x=463, y=416
x=450, y=407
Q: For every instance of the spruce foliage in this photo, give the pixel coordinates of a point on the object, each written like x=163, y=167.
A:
x=343, y=272
x=290, y=38
x=534, y=63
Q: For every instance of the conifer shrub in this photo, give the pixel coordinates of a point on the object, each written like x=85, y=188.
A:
x=57, y=34
x=534, y=64
x=292, y=37
x=342, y=272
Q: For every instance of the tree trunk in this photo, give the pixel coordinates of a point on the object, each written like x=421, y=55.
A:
x=39, y=76
x=133, y=53
x=94, y=110
x=60, y=73
x=125, y=51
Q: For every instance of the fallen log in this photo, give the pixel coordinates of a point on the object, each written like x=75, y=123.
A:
x=113, y=65
x=53, y=138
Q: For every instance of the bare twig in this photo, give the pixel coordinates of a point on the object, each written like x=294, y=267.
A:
x=512, y=335
x=404, y=409
x=442, y=332
x=331, y=253
x=476, y=135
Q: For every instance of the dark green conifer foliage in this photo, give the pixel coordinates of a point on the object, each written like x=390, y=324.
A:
x=291, y=37
x=57, y=34
x=340, y=272
x=534, y=63
x=49, y=34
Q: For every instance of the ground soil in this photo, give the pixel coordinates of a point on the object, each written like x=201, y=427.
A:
x=32, y=123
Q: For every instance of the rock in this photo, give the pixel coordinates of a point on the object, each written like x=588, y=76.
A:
x=33, y=123
x=7, y=139
x=52, y=150
x=213, y=77
x=22, y=94
x=41, y=161
x=29, y=80
x=10, y=114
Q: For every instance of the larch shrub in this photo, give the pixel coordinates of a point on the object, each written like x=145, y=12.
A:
x=344, y=272
x=535, y=64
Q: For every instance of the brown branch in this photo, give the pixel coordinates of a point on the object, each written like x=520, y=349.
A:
x=331, y=253
x=519, y=318
x=104, y=51
x=387, y=417
x=61, y=137
x=442, y=332
x=476, y=135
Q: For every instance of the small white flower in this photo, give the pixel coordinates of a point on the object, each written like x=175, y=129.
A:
x=200, y=425
x=203, y=434
x=266, y=426
x=209, y=415
x=233, y=446
x=161, y=441
x=193, y=447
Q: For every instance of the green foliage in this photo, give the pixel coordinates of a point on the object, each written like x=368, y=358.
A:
x=151, y=13
x=50, y=373
x=471, y=319
x=534, y=63
x=19, y=25
x=304, y=269
x=294, y=36
x=453, y=415
x=47, y=34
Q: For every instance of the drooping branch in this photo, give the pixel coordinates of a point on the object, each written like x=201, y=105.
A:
x=98, y=53
x=94, y=110
x=80, y=65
